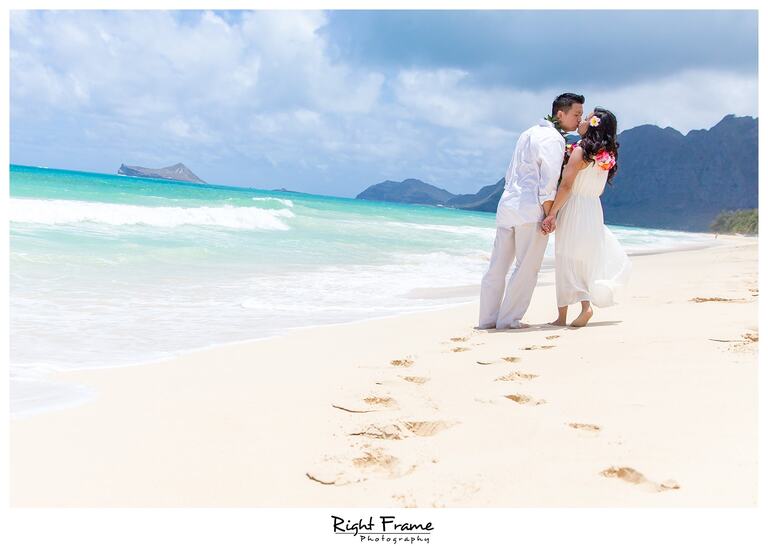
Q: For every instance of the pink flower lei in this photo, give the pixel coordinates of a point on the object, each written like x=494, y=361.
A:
x=605, y=160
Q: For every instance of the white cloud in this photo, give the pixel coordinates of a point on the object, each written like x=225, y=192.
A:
x=692, y=99
x=193, y=129
x=436, y=96
x=264, y=89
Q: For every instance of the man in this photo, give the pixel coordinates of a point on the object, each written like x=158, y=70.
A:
x=529, y=191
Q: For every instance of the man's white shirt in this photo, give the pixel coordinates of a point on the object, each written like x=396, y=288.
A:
x=532, y=176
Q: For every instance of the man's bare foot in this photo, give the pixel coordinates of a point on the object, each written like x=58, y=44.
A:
x=487, y=327
x=558, y=322
x=583, y=318
x=520, y=325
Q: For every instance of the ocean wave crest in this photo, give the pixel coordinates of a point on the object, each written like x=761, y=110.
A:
x=456, y=230
x=61, y=211
x=285, y=202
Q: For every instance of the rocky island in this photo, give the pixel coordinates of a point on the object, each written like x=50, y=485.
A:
x=410, y=190
x=179, y=172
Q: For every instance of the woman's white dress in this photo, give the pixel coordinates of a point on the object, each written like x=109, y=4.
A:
x=590, y=264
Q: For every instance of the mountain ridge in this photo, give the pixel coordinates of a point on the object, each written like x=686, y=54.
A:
x=665, y=179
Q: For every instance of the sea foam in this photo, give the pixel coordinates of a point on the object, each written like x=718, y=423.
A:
x=59, y=211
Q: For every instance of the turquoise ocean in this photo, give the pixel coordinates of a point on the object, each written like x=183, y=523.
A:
x=108, y=270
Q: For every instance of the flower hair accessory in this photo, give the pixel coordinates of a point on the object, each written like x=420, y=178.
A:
x=594, y=121
x=605, y=160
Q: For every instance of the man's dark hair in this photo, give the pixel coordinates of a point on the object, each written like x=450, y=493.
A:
x=565, y=101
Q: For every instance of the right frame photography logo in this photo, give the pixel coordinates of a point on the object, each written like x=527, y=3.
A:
x=384, y=529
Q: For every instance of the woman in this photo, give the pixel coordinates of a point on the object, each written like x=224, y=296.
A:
x=590, y=265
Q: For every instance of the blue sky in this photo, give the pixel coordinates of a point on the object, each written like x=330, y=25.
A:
x=330, y=102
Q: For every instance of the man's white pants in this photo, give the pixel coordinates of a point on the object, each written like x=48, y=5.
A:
x=525, y=245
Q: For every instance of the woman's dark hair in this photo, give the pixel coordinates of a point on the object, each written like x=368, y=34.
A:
x=565, y=101
x=602, y=137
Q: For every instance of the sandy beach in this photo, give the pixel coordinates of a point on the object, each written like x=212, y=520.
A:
x=653, y=404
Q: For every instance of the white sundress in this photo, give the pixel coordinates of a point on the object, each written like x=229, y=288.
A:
x=590, y=263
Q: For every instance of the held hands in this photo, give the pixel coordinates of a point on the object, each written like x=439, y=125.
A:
x=549, y=224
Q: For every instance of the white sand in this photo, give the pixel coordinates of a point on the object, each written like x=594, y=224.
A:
x=666, y=413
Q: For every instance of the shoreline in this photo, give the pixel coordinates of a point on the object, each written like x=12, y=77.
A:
x=65, y=400
x=53, y=374
x=424, y=410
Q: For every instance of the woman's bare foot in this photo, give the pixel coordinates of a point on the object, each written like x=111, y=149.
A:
x=562, y=314
x=583, y=318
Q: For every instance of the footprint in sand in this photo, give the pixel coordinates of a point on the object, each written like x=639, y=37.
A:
x=552, y=337
x=403, y=362
x=740, y=345
x=459, y=339
x=517, y=376
x=372, y=403
x=386, y=401
x=415, y=379
x=372, y=461
x=630, y=475
x=584, y=426
x=750, y=337
x=427, y=428
x=507, y=359
x=377, y=459
x=535, y=347
x=524, y=399
x=391, y=431
x=459, y=349
x=747, y=343
x=403, y=429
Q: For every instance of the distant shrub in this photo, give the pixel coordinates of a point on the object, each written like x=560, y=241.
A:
x=736, y=221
